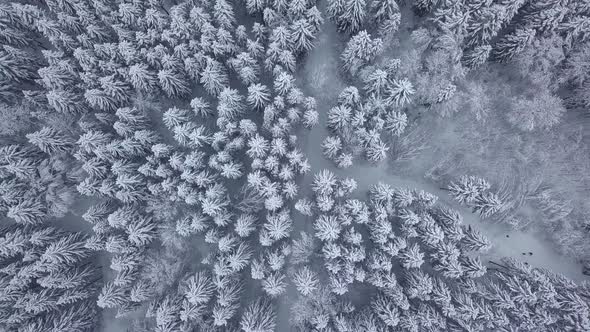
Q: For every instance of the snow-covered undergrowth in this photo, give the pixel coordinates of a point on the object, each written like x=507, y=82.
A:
x=267, y=165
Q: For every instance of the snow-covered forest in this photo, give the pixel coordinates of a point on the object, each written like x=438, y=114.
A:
x=294, y=165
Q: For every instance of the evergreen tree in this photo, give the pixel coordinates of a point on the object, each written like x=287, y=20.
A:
x=473, y=267
x=274, y=285
x=512, y=44
x=141, y=78
x=349, y=14
x=50, y=140
x=65, y=101
x=223, y=13
x=474, y=240
x=27, y=211
x=231, y=103
x=396, y=123
x=112, y=296
x=200, y=107
x=214, y=77
x=468, y=188
x=258, y=96
x=115, y=88
x=259, y=316
x=377, y=152
x=386, y=309
x=360, y=50
x=199, y=288
x=172, y=83
x=331, y=146
x=477, y=56
x=141, y=231
x=336, y=9
x=412, y=257
x=254, y=6
x=96, y=98
x=383, y=10
x=487, y=203
x=44, y=285
x=376, y=82
x=400, y=92
x=302, y=36
x=339, y=117
x=306, y=281
x=327, y=228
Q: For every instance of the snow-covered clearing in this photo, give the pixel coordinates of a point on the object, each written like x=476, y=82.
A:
x=321, y=80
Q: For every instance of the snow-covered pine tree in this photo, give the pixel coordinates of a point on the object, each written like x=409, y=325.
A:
x=214, y=77
x=512, y=44
x=302, y=36
x=474, y=240
x=259, y=316
x=468, y=188
x=400, y=92
x=487, y=203
x=173, y=83
x=360, y=51
x=258, y=96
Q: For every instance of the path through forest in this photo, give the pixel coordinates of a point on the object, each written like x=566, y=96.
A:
x=321, y=80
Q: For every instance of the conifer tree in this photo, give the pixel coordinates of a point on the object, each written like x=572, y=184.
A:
x=65, y=101
x=223, y=14
x=214, y=77
x=231, y=103
x=259, y=316
x=258, y=95
x=199, y=288
x=27, y=211
x=400, y=92
x=302, y=36
x=172, y=83
x=487, y=203
x=477, y=56
x=468, y=188
x=50, y=140
x=512, y=44
x=141, y=78
x=306, y=281
x=474, y=240
x=360, y=50
x=254, y=6
x=96, y=98
x=382, y=10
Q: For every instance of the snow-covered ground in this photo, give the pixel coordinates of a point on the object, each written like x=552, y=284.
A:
x=320, y=79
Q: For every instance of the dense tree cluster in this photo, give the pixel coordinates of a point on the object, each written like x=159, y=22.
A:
x=542, y=38
x=422, y=262
x=133, y=168
x=49, y=280
x=106, y=59
x=503, y=29
x=37, y=178
x=364, y=123
x=175, y=126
